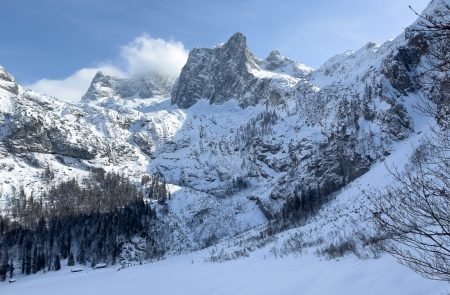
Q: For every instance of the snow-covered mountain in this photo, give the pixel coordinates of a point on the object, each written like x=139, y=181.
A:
x=105, y=86
x=275, y=124
x=230, y=71
x=235, y=136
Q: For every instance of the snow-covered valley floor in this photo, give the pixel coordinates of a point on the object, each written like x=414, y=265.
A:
x=258, y=274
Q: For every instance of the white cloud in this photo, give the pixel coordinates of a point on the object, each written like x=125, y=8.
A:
x=141, y=56
x=145, y=55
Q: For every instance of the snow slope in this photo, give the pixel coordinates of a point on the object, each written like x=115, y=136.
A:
x=272, y=268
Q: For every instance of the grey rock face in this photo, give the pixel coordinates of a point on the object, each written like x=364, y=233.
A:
x=41, y=131
x=223, y=73
x=31, y=135
x=5, y=76
x=103, y=85
x=398, y=68
x=275, y=61
x=217, y=74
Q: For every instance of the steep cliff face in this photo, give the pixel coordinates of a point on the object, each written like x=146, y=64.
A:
x=230, y=71
x=320, y=129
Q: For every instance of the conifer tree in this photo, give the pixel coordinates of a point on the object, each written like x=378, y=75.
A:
x=71, y=260
x=11, y=269
x=57, y=265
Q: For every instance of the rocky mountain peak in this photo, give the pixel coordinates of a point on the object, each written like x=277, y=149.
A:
x=236, y=49
x=274, y=55
x=7, y=81
x=5, y=76
x=216, y=74
x=278, y=63
x=106, y=86
x=231, y=71
x=237, y=42
x=275, y=60
x=98, y=76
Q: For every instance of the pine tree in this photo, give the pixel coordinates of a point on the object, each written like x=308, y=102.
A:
x=11, y=269
x=71, y=260
x=23, y=264
x=82, y=254
x=57, y=265
x=34, y=264
x=28, y=263
x=4, y=265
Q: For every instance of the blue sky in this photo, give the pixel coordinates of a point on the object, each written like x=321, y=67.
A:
x=53, y=39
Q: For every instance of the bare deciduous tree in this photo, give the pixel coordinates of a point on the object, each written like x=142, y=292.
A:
x=413, y=215
x=435, y=74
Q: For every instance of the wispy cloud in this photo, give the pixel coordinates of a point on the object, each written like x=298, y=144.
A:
x=142, y=56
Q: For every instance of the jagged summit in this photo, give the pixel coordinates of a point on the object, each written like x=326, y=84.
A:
x=5, y=76
x=278, y=63
x=229, y=71
x=99, y=75
x=275, y=57
x=237, y=41
x=7, y=81
x=106, y=86
x=236, y=48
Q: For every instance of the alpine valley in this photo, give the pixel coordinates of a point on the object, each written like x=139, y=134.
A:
x=241, y=176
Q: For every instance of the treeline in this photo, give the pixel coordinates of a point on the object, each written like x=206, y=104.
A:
x=86, y=239
x=156, y=188
x=257, y=127
x=306, y=202
x=86, y=224
x=102, y=192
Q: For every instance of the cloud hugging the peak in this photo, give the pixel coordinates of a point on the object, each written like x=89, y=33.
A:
x=144, y=55
x=141, y=56
x=73, y=87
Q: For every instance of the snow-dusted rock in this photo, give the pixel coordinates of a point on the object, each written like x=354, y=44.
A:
x=275, y=62
x=7, y=82
x=105, y=86
x=230, y=71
